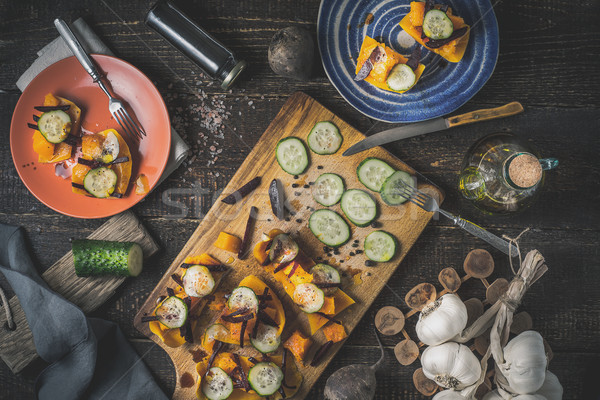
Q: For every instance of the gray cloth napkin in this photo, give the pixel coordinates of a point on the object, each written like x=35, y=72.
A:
x=58, y=50
x=90, y=358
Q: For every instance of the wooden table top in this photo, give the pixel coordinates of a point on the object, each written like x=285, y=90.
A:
x=548, y=61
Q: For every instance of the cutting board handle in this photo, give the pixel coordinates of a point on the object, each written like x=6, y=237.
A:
x=486, y=114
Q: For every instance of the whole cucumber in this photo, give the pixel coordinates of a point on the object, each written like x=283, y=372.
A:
x=102, y=257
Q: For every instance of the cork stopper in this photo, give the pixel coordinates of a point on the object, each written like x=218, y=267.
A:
x=525, y=170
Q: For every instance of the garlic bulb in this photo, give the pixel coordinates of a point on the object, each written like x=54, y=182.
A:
x=451, y=365
x=441, y=320
x=494, y=395
x=448, y=395
x=551, y=389
x=525, y=362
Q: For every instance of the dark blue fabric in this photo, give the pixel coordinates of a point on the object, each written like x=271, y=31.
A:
x=90, y=358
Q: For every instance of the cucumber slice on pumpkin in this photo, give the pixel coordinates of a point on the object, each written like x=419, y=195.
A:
x=217, y=385
x=215, y=332
x=329, y=227
x=323, y=273
x=198, y=281
x=437, y=25
x=55, y=125
x=380, y=246
x=324, y=138
x=291, y=155
x=267, y=340
x=243, y=297
x=372, y=172
x=284, y=249
x=359, y=207
x=172, y=312
x=401, y=78
x=265, y=378
x=100, y=182
x=328, y=189
x=309, y=297
x=395, y=189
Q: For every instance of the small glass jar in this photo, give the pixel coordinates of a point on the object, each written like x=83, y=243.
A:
x=194, y=42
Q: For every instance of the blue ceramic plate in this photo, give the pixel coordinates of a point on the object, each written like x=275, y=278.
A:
x=444, y=86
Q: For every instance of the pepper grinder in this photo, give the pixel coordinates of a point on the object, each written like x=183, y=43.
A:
x=194, y=42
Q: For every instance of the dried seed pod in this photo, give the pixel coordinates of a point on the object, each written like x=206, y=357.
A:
x=424, y=385
x=479, y=264
x=389, y=321
x=406, y=352
x=521, y=322
x=421, y=295
x=449, y=279
x=496, y=290
x=474, y=310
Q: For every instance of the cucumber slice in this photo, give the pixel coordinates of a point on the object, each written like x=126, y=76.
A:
x=380, y=246
x=329, y=227
x=243, y=297
x=309, y=297
x=267, y=340
x=359, y=207
x=55, y=125
x=172, y=312
x=283, y=249
x=103, y=257
x=324, y=138
x=291, y=155
x=372, y=172
x=401, y=78
x=394, y=188
x=328, y=189
x=214, y=332
x=110, y=148
x=100, y=182
x=217, y=385
x=323, y=273
x=198, y=281
x=437, y=25
x=265, y=378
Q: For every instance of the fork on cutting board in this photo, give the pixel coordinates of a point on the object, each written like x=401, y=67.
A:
x=429, y=204
x=115, y=106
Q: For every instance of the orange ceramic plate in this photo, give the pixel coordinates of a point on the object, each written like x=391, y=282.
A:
x=68, y=79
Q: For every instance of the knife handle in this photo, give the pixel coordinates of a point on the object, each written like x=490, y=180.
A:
x=485, y=114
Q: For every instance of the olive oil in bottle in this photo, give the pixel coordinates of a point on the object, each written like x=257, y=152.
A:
x=501, y=174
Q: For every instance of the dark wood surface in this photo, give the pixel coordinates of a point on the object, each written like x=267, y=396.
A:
x=549, y=57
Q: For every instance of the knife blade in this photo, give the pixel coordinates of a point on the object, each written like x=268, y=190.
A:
x=433, y=125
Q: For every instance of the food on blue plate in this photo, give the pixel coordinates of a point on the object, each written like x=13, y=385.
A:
x=438, y=29
x=386, y=69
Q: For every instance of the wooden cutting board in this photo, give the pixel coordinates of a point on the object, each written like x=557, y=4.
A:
x=406, y=222
x=17, y=348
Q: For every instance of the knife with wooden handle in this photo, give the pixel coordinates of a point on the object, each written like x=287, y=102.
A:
x=434, y=125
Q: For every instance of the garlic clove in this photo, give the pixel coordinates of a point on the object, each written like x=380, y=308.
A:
x=451, y=365
x=495, y=395
x=442, y=320
x=525, y=363
x=551, y=388
x=448, y=395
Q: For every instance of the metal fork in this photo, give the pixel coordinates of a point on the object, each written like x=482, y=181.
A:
x=428, y=203
x=115, y=106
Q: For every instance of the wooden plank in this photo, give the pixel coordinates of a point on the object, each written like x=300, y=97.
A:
x=17, y=348
x=296, y=118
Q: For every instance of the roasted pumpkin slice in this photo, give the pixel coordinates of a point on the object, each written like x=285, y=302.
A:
x=454, y=50
x=382, y=68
